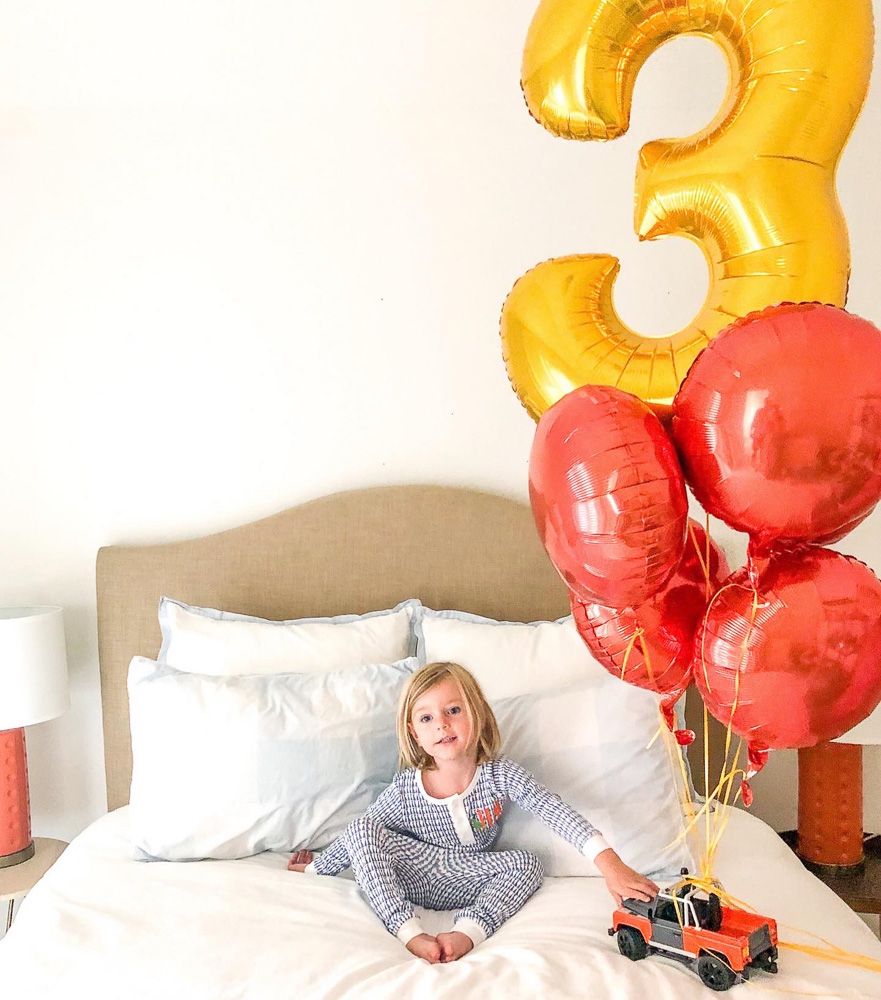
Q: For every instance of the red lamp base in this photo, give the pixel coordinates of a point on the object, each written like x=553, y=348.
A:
x=16, y=844
x=830, y=808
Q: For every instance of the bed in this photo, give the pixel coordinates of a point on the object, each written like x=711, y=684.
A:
x=101, y=925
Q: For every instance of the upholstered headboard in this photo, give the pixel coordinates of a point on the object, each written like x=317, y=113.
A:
x=357, y=551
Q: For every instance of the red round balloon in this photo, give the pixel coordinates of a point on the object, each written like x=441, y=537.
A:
x=796, y=661
x=660, y=659
x=778, y=424
x=607, y=495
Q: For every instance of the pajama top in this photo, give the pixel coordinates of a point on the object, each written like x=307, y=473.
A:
x=451, y=834
x=469, y=820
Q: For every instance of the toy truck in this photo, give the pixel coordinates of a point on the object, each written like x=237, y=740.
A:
x=721, y=943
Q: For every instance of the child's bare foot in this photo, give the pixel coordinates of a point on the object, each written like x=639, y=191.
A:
x=425, y=946
x=299, y=860
x=453, y=945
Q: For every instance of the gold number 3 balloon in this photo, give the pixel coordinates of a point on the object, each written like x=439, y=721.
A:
x=755, y=189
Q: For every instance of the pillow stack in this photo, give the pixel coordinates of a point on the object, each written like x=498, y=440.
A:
x=251, y=735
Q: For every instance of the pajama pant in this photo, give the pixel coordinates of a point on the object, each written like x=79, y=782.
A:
x=395, y=871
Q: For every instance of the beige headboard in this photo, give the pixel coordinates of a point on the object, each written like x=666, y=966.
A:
x=351, y=552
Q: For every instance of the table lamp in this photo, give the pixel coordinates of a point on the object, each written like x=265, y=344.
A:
x=33, y=688
x=830, y=800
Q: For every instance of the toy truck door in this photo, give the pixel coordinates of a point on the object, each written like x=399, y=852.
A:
x=666, y=929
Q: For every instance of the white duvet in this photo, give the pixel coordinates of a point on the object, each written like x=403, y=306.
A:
x=105, y=927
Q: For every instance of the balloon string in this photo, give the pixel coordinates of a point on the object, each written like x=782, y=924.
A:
x=712, y=833
x=715, y=598
x=725, y=781
x=754, y=611
x=704, y=561
x=705, y=864
x=675, y=753
x=648, y=666
x=713, y=846
x=637, y=633
x=707, y=539
x=705, y=566
x=722, y=821
x=729, y=771
x=648, y=660
x=721, y=794
x=829, y=951
x=832, y=953
x=691, y=817
x=752, y=984
x=726, y=778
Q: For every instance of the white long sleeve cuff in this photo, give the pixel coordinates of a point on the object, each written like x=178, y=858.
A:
x=310, y=868
x=409, y=929
x=470, y=928
x=593, y=846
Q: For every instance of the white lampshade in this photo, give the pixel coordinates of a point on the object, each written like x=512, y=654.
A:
x=33, y=666
x=866, y=733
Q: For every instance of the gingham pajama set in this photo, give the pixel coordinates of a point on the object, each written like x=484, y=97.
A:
x=412, y=848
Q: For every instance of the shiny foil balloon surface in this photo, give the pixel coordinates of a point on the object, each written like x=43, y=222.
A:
x=797, y=661
x=607, y=495
x=652, y=645
x=778, y=424
x=755, y=190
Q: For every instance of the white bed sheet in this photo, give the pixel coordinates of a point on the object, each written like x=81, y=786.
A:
x=105, y=927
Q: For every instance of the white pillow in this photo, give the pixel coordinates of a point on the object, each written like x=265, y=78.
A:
x=579, y=729
x=507, y=658
x=587, y=743
x=205, y=641
x=226, y=767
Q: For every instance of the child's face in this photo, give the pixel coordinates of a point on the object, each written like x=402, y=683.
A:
x=440, y=723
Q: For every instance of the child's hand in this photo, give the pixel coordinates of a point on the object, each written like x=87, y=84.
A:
x=299, y=860
x=622, y=881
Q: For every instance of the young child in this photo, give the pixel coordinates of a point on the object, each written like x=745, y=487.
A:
x=426, y=840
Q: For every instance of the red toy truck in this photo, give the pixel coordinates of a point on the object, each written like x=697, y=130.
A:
x=721, y=943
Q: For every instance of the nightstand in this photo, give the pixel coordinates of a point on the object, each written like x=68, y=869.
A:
x=861, y=891
x=16, y=882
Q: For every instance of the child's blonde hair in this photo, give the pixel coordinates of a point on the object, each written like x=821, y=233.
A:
x=484, y=728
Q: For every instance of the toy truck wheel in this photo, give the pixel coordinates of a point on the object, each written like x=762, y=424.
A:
x=632, y=944
x=715, y=973
x=767, y=960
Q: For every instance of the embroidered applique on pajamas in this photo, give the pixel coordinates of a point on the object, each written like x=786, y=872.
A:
x=485, y=818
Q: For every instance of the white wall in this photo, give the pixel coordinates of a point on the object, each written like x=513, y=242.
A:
x=251, y=253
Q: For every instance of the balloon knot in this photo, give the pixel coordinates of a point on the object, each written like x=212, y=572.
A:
x=758, y=757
